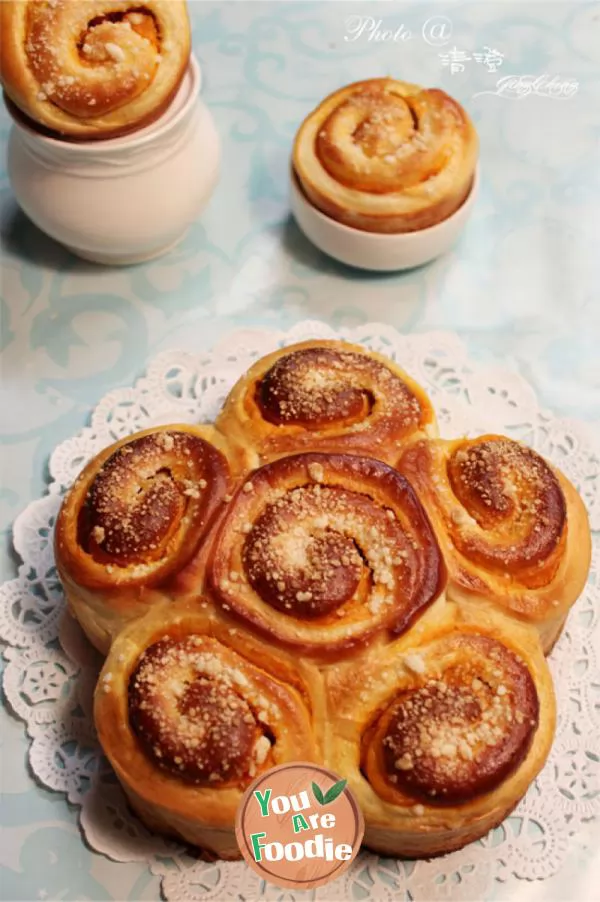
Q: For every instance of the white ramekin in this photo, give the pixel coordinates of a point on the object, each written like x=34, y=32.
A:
x=375, y=251
x=122, y=200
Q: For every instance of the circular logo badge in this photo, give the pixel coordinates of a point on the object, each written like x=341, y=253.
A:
x=299, y=826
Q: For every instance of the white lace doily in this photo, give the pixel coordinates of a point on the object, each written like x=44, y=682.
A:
x=50, y=669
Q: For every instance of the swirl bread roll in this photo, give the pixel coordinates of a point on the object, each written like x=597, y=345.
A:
x=386, y=156
x=189, y=710
x=513, y=530
x=90, y=68
x=325, y=553
x=441, y=733
x=327, y=396
x=133, y=528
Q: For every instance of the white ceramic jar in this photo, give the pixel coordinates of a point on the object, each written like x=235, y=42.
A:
x=122, y=200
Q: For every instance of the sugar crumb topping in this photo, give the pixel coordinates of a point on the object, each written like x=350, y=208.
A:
x=475, y=711
x=311, y=550
x=324, y=386
x=194, y=709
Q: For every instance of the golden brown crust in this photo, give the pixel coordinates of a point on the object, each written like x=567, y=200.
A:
x=194, y=650
x=386, y=156
x=325, y=552
x=456, y=737
x=298, y=609
x=513, y=530
x=133, y=528
x=90, y=69
x=441, y=733
x=327, y=396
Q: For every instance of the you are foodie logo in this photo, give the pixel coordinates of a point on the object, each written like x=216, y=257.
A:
x=299, y=826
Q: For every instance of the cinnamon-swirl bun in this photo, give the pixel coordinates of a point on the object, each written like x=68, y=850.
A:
x=92, y=68
x=131, y=530
x=325, y=553
x=189, y=710
x=513, y=530
x=441, y=733
x=386, y=156
x=318, y=577
x=327, y=396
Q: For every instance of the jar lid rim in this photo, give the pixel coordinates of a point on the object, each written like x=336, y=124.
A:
x=184, y=98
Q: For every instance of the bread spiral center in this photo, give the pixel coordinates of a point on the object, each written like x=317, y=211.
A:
x=189, y=709
x=380, y=141
x=318, y=547
x=383, y=130
x=459, y=733
x=144, y=493
x=508, y=490
x=315, y=388
x=87, y=63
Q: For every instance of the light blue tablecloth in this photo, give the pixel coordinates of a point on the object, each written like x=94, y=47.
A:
x=521, y=287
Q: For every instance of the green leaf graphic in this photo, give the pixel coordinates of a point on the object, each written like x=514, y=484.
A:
x=334, y=791
x=318, y=794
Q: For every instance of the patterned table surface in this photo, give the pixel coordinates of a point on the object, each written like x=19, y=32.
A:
x=520, y=288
